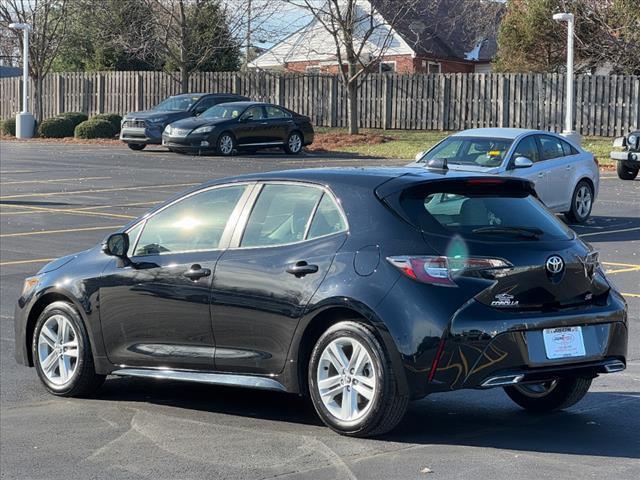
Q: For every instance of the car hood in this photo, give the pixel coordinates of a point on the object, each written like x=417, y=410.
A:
x=461, y=168
x=165, y=115
x=195, y=122
x=57, y=263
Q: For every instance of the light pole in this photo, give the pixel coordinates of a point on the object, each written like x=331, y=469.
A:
x=568, y=120
x=24, y=120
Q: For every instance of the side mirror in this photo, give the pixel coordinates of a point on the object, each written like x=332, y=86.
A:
x=117, y=245
x=199, y=111
x=522, y=162
x=246, y=118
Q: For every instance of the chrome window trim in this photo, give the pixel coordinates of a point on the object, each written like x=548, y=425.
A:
x=228, y=229
x=242, y=222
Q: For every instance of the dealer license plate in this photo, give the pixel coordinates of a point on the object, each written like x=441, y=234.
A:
x=563, y=342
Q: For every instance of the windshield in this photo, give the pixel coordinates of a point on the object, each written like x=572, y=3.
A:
x=223, y=111
x=476, y=151
x=484, y=214
x=179, y=103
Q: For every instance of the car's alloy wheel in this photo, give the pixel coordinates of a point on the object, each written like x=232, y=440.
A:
x=352, y=382
x=226, y=144
x=62, y=354
x=294, y=144
x=58, y=349
x=581, y=203
x=346, y=379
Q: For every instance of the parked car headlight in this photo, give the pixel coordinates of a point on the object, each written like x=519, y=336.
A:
x=168, y=129
x=632, y=140
x=205, y=129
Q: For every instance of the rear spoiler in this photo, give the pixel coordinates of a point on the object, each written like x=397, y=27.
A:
x=456, y=183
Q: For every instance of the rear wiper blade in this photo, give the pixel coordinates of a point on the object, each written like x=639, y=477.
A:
x=530, y=232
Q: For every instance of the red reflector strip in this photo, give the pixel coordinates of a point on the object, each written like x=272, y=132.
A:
x=485, y=181
x=436, y=360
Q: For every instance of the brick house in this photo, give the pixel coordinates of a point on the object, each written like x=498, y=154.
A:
x=432, y=42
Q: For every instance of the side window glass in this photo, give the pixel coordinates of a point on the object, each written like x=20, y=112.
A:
x=275, y=112
x=195, y=223
x=327, y=219
x=568, y=149
x=255, y=113
x=280, y=215
x=551, y=147
x=527, y=148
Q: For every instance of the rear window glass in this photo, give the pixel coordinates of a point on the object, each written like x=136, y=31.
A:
x=476, y=151
x=481, y=213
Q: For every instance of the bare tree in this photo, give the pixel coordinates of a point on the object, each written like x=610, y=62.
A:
x=360, y=35
x=49, y=20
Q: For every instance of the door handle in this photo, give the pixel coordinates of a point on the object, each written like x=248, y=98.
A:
x=568, y=167
x=541, y=175
x=196, y=272
x=301, y=268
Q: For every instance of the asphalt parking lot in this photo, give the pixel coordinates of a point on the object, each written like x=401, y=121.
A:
x=56, y=199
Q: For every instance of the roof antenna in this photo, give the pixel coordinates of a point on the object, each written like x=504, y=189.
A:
x=438, y=164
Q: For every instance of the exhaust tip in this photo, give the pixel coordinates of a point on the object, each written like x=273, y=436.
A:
x=502, y=381
x=616, y=366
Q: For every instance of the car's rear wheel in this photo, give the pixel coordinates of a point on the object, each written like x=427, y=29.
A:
x=294, y=143
x=352, y=383
x=136, y=146
x=226, y=144
x=581, y=203
x=549, y=396
x=625, y=172
x=62, y=353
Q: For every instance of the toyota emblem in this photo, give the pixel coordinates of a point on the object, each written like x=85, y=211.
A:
x=555, y=264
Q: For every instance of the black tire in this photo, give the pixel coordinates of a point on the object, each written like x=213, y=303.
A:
x=565, y=393
x=224, y=140
x=136, y=146
x=294, y=143
x=625, y=172
x=575, y=215
x=388, y=405
x=84, y=381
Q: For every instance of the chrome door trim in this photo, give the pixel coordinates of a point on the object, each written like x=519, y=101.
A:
x=246, y=381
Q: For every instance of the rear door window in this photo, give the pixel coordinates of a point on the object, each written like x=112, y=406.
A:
x=280, y=215
x=551, y=147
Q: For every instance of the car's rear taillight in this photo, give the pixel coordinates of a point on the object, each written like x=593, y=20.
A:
x=439, y=270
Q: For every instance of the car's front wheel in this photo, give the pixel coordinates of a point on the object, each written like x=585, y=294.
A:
x=136, y=146
x=62, y=354
x=226, y=144
x=352, y=383
x=581, y=203
x=294, y=144
x=625, y=172
x=549, y=396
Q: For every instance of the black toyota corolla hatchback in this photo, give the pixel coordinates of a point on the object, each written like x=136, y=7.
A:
x=248, y=126
x=361, y=288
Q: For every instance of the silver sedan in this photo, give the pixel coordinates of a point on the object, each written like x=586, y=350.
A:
x=566, y=177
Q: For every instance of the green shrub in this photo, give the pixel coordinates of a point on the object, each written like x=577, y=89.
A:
x=8, y=127
x=95, y=129
x=114, y=119
x=56, y=127
x=76, y=118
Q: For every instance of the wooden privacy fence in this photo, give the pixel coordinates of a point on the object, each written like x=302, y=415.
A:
x=604, y=105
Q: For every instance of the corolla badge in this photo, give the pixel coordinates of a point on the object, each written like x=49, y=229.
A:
x=554, y=264
x=504, y=300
